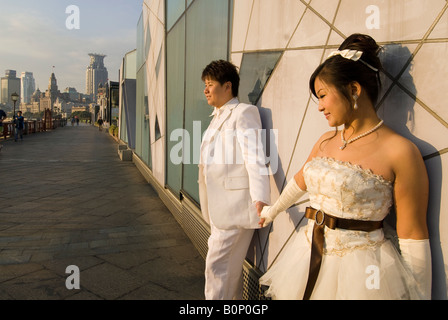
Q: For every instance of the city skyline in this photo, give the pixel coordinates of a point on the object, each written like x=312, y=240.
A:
x=42, y=37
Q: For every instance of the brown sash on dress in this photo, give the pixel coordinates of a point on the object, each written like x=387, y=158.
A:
x=323, y=220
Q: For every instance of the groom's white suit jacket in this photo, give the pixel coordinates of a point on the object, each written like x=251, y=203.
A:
x=232, y=171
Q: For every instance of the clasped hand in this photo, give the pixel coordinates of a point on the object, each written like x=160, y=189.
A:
x=260, y=206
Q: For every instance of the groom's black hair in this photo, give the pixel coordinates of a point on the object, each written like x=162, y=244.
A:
x=223, y=71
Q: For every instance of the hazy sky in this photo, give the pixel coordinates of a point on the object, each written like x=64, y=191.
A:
x=34, y=37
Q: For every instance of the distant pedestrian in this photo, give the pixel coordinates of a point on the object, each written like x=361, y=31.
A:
x=77, y=120
x=100, y=124
x=19, y=123
x=73, y=121
x=2, y=117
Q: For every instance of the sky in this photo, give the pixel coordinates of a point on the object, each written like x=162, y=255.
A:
x=34, y=37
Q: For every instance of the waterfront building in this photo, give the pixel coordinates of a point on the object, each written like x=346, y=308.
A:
x=48, y=100
x=9, y=84
x=71, y=94
x=96, y=73
x=28, y=86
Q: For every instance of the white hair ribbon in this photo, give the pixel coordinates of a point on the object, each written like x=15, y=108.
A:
x=353, y=55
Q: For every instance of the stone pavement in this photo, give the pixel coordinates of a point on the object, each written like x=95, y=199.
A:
x=66, y=199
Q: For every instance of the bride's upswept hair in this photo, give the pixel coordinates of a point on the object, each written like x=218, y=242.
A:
x=340, y=72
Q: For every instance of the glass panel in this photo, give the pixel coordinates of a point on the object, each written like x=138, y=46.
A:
x=142, y=139
x=128, y=112
x=157, y=133
x=139, y=111
x=130, y=65
x=114, y=93
x=203, y=46
x=140, y=43
x=123, y=127
x=174, y=9
x=148, y=40
x=128, y=99
x=159, y=61
x=175, y=104
x=146, y=137
x=256, y=68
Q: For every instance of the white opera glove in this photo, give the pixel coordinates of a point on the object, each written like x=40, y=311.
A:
x=417, y=256
x=288, y=197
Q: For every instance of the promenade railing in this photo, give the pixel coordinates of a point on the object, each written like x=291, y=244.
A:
x=32, y=126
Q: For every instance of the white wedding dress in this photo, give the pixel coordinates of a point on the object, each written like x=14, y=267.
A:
x=355, y=264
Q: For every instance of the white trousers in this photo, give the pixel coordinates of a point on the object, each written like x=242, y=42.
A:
x=227, y=250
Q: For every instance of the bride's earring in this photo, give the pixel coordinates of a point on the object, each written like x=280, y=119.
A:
x=355, y=97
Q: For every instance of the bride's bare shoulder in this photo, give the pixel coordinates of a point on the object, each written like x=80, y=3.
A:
x=398, y=147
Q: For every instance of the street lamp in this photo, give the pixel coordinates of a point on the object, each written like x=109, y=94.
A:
x=14, y=98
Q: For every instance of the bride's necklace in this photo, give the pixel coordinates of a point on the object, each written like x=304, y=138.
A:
x=346, y=142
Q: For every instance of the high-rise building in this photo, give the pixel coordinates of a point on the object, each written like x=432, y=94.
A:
x=9, y=84
x=96, y=73
x=28, y=87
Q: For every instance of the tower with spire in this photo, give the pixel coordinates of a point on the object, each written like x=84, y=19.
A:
x=53, y=91
x=51, y=94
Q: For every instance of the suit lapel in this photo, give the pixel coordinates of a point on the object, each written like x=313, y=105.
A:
x=213, y=133
x=225, y=115
x=227, y=112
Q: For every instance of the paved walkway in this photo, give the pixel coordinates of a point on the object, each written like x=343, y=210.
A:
x=67, y=199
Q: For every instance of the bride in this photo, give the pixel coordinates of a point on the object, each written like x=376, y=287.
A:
x=353, y=178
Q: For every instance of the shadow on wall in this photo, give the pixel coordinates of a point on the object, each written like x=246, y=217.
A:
x=279, y=175
x=397, y=109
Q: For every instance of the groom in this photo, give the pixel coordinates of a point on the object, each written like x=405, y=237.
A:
x=233, y=181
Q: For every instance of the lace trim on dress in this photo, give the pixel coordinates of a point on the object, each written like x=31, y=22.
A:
x=356, y=167
x=342, y=247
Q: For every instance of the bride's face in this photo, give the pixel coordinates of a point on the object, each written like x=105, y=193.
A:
x=332, y=103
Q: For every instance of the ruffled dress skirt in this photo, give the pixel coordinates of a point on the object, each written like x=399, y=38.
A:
x=356, y=265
